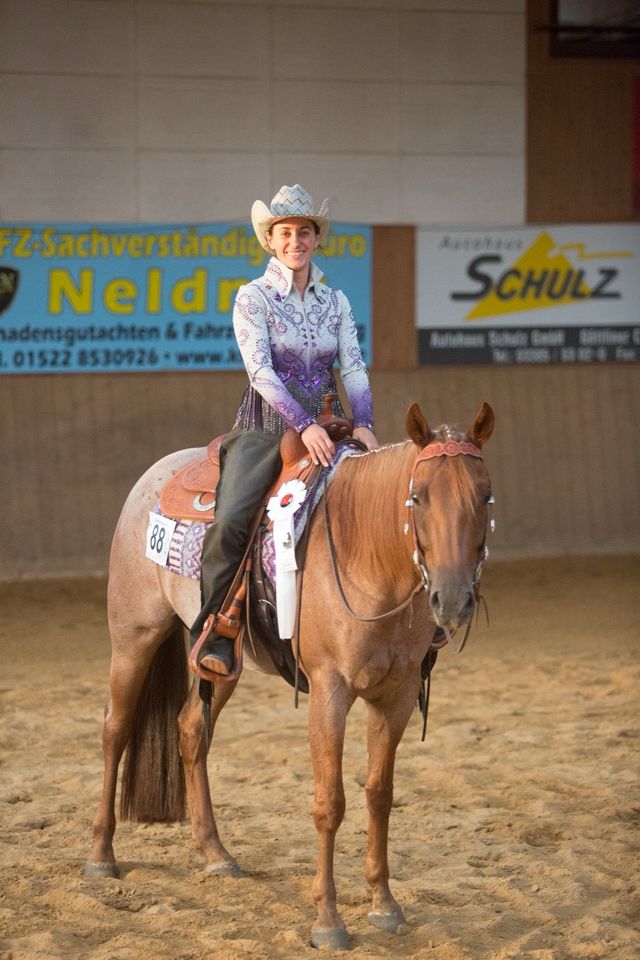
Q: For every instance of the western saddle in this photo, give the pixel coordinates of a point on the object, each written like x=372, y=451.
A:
x=191, y=495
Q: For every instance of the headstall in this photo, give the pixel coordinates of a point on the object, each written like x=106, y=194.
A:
x=444, y=448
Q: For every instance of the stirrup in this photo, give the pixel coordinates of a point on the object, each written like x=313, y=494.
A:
x=194, y=657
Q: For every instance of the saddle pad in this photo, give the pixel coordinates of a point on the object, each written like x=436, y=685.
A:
x=185, y=550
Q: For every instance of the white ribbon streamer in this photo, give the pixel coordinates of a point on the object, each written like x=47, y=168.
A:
x=281, y=510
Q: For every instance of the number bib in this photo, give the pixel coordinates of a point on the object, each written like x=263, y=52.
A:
x=159, y=534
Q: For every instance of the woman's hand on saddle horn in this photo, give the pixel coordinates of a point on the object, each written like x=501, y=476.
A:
x=319, y=444
x=366, y=436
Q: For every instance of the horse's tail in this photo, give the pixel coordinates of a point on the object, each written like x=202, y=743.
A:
x=153, y=786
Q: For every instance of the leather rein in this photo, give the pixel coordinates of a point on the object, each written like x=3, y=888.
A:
x=447, y=448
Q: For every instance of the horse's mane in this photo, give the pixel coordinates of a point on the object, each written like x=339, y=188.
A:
x=367, y=500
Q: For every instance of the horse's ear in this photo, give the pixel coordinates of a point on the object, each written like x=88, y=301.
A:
x=483, y=425
x=417, y=426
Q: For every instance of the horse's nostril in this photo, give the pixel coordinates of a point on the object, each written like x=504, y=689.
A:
x=435, y=600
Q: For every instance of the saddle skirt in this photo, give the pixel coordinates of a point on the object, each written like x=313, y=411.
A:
x=191, y=493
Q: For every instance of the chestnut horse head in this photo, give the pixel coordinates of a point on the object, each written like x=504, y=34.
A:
x=449, y=493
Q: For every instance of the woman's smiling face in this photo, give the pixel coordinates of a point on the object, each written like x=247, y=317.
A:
x=293, y=242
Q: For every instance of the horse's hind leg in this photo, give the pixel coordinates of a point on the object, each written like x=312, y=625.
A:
x=387, y=722
x=194, y=745
x=129, y=666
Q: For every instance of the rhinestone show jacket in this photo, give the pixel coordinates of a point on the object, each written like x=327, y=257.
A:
x=289, y=344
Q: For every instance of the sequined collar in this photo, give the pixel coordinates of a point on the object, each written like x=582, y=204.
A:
x=281, y=277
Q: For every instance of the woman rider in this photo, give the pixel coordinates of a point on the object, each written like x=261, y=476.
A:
x=290, y=328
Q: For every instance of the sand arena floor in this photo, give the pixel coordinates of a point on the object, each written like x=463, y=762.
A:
x=515, y=830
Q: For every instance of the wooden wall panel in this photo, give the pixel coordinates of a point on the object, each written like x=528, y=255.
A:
x=564, y=461
x=73, y=446
x=579, y=132
x=393, y=294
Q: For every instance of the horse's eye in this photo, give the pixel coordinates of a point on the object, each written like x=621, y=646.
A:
x=489, y=498
x=414, y=498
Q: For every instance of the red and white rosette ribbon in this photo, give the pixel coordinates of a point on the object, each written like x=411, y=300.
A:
x=281, y=510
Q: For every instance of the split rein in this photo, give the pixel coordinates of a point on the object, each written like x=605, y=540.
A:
x=447, y=448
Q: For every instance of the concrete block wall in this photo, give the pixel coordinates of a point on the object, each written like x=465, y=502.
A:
x=410, y=111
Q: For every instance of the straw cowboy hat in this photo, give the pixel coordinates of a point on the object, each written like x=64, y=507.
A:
x=288, y=202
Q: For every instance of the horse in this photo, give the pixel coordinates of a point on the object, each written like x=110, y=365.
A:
x=400, y=542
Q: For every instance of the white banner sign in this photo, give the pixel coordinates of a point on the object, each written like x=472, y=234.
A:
x=548, y=294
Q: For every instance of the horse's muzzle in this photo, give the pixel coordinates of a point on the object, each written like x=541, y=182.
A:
x=452, y=608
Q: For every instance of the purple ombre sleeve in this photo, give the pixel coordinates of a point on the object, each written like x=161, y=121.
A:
x=353, y=371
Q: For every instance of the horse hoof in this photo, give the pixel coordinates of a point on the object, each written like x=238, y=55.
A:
x=336, y=938
x=386, y=920
x=105, y=869
x=226, y=868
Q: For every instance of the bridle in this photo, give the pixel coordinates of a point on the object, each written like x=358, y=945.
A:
x=446, y=448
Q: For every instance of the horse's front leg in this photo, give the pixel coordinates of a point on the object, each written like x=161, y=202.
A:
x=330, y=701
x=194, y=746
x=387, y=721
